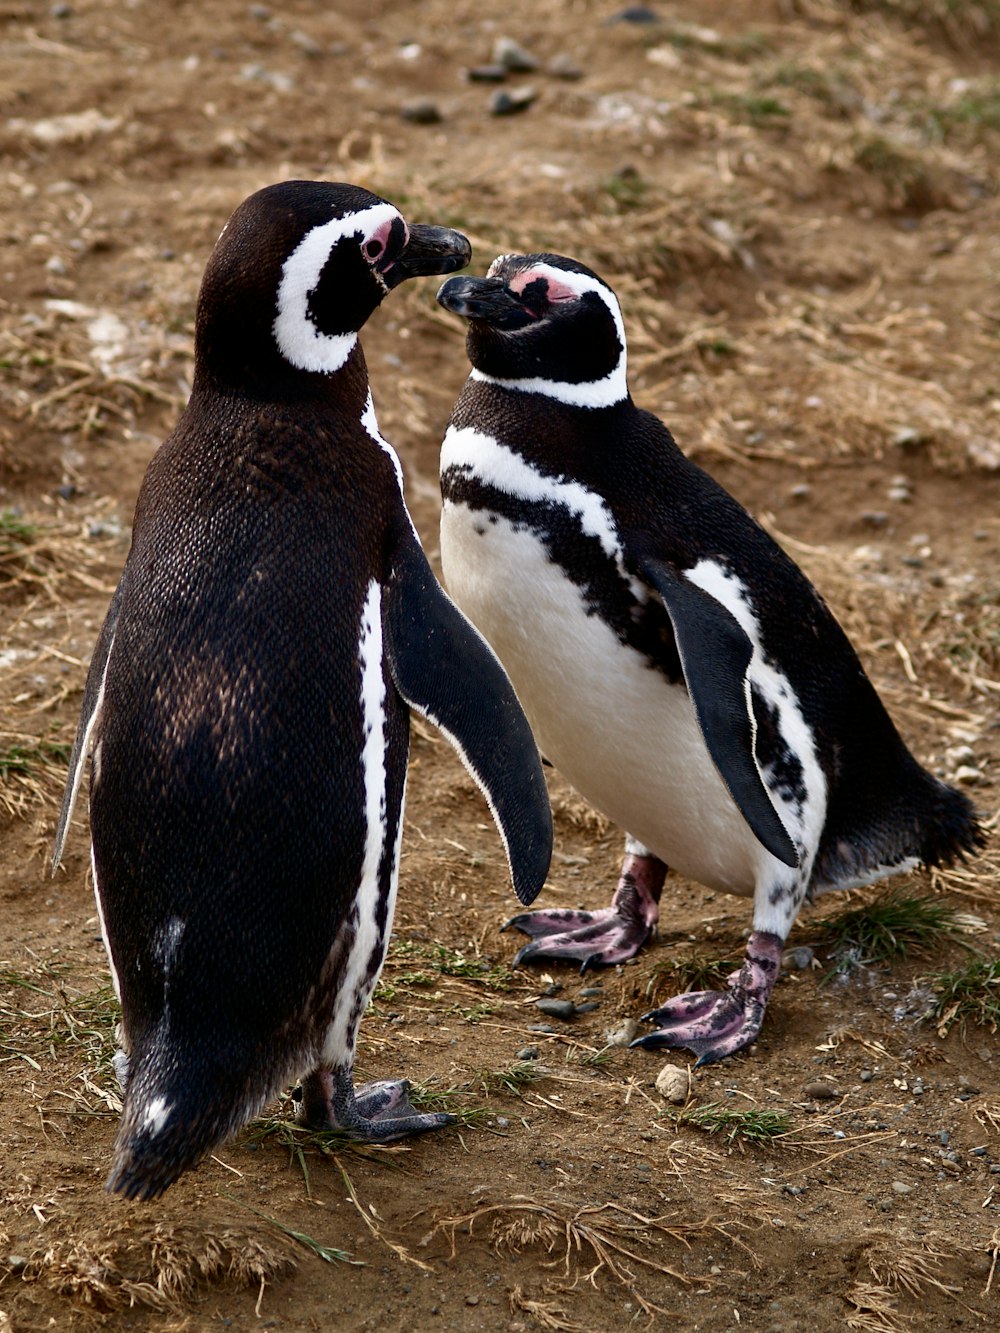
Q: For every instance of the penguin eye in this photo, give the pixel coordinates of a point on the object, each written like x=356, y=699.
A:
x=374, y=248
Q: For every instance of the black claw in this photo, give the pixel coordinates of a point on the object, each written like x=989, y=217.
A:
x=591, y=960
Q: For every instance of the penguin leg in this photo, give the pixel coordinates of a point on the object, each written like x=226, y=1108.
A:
x=610, y=935
x=373, y=1113
x=714, y=1024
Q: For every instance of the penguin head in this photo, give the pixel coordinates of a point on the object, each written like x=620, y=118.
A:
x=297, y=271
x=543, y=324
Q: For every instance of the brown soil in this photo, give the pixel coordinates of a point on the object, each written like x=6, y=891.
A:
x=796, y=200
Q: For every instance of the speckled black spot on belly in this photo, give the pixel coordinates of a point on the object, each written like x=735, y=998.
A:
x=644, y=626
x=785, y=773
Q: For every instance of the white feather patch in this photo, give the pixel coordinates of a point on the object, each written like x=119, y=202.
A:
x=339, y=1043
x=806, y=825
x=493, y=464
x=297, y=336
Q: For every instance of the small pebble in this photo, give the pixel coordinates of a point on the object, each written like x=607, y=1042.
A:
x=553, y=989
x=900, y=494
x=67, y=491
x=561, y=1009
x=546, y=1029
x=995, y=1169
x=592, y=993
x=588, y=1006
x=794, y=1190
x=635, y=14
x=967, y=776
x=798, y=958
x=563, y=66
x=960, y=754
x=944, y=1137
x=866, y=1076
x=885, y=1205
x=908, y=437
x=502, y=1122
x=504, y=103
x=527, y=1053
x=61, y=11
x=673, y=1083
x=978, y=1152
x=307, y=44
x=623, y=1035
x=422, y=111
x=801, y=491
x=17, y=1263
x=487, y=73
x=512, y=56
x=873, y=518
x=901, y=1187
x=821, y=1091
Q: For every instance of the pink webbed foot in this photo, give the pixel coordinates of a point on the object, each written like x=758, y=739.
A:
x=374, y=1113
x=602, y=938
x=714, y=1024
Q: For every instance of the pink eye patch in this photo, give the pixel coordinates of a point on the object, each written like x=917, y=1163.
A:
x=549, y=288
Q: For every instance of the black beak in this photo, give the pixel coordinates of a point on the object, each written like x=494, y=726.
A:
x=485, y=299
x=430, y=250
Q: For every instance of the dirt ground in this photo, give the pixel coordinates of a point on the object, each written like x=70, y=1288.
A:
x=797, y=202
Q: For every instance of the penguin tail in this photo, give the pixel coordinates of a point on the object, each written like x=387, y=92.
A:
x=926, y=822
x=951, y=827
x=171, y=1120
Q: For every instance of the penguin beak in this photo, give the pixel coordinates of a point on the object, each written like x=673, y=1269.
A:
x=429, y=250
x=487, y=300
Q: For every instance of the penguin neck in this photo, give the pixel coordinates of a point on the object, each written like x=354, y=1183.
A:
x=562, y=437
x=275, y=380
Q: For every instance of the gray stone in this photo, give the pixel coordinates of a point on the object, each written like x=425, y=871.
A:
x=561, y=1009
x=421, y=111
x=512, y=56
x=563, y=66
x=798, y=958
x=509, y=103
x=487, y=73
x=623, y=1035
x=821, y=1091
x=527, y=1053
x=901, y=1187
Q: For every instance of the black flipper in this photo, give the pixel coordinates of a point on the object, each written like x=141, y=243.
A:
x=446, y=672
x=715, y=652
x=92, y=694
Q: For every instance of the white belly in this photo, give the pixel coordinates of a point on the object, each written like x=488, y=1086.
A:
x=613, y=726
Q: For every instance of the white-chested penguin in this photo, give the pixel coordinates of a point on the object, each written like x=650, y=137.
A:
x=247, y=706
x=675, y=665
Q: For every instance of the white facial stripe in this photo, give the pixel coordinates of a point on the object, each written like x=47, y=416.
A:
x=805, y=825
x=297, y=336
x=339, y=1042
x=613, y=388
x=493, y=464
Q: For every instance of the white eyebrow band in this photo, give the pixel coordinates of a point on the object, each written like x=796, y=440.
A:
x=605, y=392
x=298, y=338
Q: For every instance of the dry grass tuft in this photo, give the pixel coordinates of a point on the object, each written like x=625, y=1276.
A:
x=546, y=1313
x=117, y=1267
x=896, y=1267
x=616, y=1239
